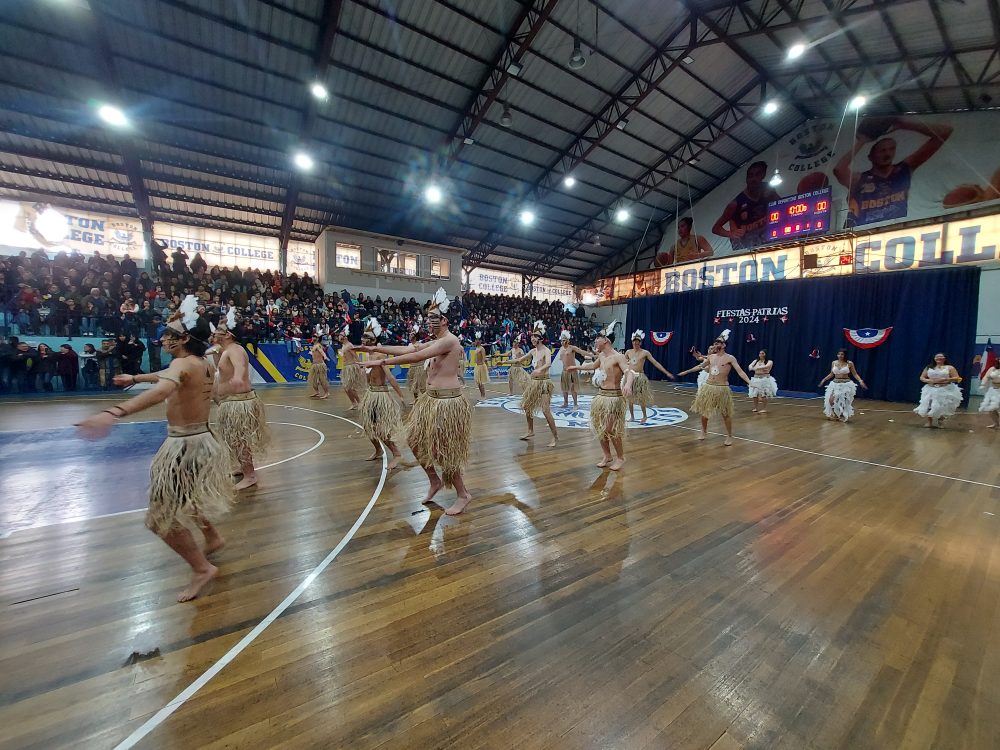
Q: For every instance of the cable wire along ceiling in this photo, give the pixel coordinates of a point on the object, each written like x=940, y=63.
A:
x=547, y=137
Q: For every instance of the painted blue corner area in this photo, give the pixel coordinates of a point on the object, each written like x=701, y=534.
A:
x=54, y=476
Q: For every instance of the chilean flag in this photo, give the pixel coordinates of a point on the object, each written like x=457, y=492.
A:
x=867, y=338
x=987, y=359
x=661, y=338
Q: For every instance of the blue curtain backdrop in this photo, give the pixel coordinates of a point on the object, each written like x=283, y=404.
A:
x=929, y=311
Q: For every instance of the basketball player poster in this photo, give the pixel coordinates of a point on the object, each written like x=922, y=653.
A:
x=884, y=170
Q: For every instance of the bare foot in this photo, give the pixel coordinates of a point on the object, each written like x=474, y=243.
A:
x=928, y=425
x=763, y=411
x=643, y=420
x=322, y=398
x=214, y=545
x=394, y=462
x=197, y=582
x=991, y=427
x=754, y=411
x=617, y=464
x=374, y=456
x=727, y=441
x=527, y=436
x=702, y=436
x=247, y=481
x=459, y=505
x=432, y=491
x=353, y=407
x=315, y=395
x=604, y=463
x=554, y=442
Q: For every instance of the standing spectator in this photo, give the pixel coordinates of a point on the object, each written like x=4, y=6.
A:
x=90, y=368
x=180, y=259
x=153, y=344
x=45, y=368
x=68, y=367
x=107, y=360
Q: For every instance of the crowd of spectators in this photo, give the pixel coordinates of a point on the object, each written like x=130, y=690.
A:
x=120, y=311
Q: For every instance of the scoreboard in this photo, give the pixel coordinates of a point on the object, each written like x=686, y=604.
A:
x=799, y=215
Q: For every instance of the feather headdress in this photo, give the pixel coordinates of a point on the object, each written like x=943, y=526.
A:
x=373, y=328
x=440, y=301
x=346, y=331
x=538, y=327
x=639, y=334
x=565, y=335
x=610, y=330
x=186, y=316
x=724, y=336
x=479, y=335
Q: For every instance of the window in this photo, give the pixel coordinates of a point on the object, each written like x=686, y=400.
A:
x=349, y=256
x=440, y=268
x=390, y=261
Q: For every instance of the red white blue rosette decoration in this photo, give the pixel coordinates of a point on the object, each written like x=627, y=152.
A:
x=867, y=338
x=661, y=338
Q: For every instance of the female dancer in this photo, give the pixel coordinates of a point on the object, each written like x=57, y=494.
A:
x=516, y=375
x=538, y=395
x=839, y=398
x=416, y=374
x=991, y=399
x=482, y=371
x=762, y=385
x=380, y=413
x=940, y=397
x=318, y=380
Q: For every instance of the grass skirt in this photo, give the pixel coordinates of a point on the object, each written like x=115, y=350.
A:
x=189, y=481
x=702, y=378
x=242, y=426
x=764, y=386
x=416, y=378
x=842, y=395
x=713, y=399
x=353, y=378
x=438, y=432
x=537, y=393
x=607, y=415
x=317, y=375
x=568, y=379
x=482, y=375
x=939, y=402
x=518, y=377
x=642, y=394
x=380, y=413
x=991, y=400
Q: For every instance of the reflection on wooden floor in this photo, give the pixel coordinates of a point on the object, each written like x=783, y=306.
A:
x=706, y=597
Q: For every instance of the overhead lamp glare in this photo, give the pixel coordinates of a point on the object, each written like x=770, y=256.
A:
x=112, y=115
x=433, y=195
x=576, y=59
x=622, y=215
x=796, y=51
x=318, y=90
x=303, y=161
x=527, y=217
x=52, y=225
x=770, y=107
x=775, y=178
x=569, y=181
x=857, y=102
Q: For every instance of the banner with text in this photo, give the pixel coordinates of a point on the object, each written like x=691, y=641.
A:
x=27, y=226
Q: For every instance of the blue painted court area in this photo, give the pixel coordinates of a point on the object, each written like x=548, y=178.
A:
x=54, y=476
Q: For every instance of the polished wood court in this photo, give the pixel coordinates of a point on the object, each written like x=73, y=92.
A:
x=758, y=596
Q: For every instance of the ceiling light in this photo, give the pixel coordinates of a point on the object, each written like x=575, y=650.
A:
x=319, y=91
x=857, y=102
x=112, y=115
x=576, y=60
x=796, y=51
x=433, y=194
x=622, y=215
x=515, y=68
x=52, y=225
x=622, y=124
x=303, y=161
x=770, y=107
x=775, y=178
x=527, y=217
x=506, y=119
x=569, y=180
x=687, y=59
x=468, y=141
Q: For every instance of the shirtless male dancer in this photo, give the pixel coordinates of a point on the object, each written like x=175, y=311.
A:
x=715, y=396
x=440, y=425
x=538, y=393
x=190, y=487
x=607, y=410
x=641, y=392
x=241, y=420
x=569, y=381
x=351, y=376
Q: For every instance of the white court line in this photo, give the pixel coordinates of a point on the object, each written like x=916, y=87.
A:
x=844, y=458
x=322, y=439
x=160, y=716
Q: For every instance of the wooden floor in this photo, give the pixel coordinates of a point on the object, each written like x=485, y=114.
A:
x=767, y=595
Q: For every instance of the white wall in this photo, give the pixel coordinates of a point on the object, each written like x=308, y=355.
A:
x=370, y=281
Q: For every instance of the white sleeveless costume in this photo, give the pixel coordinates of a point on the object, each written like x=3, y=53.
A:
x=763, y=386
x=841, y=393
x=991, y=399
x=939, y=401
